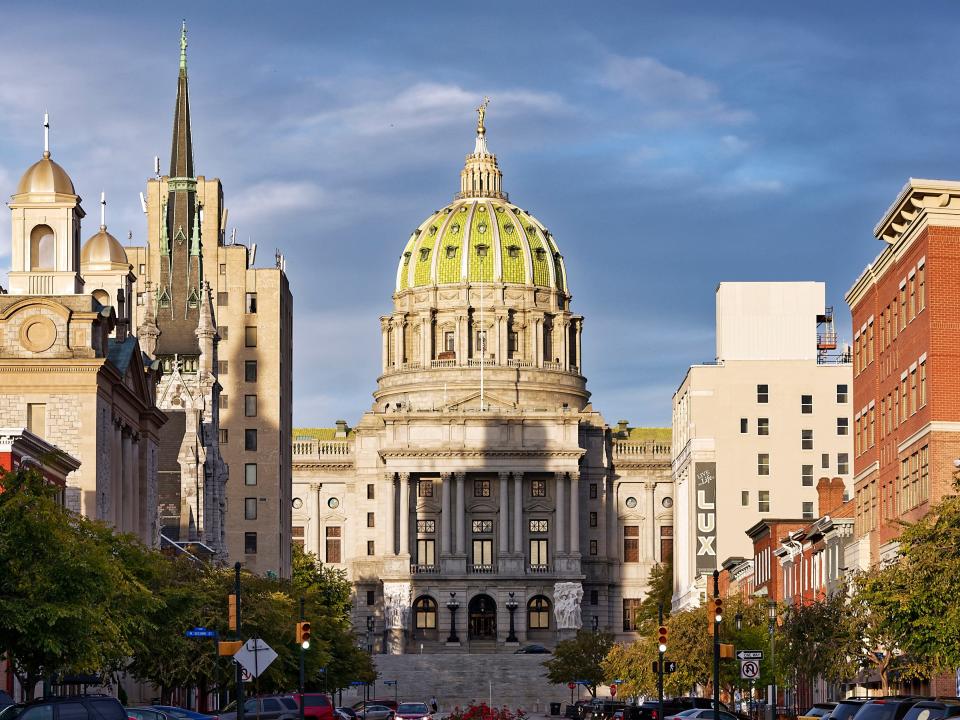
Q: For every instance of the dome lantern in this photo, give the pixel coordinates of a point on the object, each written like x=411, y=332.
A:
x=481, y=177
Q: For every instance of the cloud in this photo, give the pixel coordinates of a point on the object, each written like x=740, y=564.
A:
x=666, y=96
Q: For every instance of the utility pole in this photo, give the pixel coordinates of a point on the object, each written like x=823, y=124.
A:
x=661, y=649
x=303, y=652
x=716, y=643
x=238, y=669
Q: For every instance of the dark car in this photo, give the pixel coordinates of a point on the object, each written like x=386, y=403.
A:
x=76, y=707
x=11, y=711
x=602, y=709
x=358, y=706
x=348, y=711
x=819, y=710
x=180, y=713
x=892, y=708
x=5, y=699
x=268, y=707
x=702, y=714
x=672, y=706
x=846, y=709
x=532, y=650
x=316, y=705
x=934, y=709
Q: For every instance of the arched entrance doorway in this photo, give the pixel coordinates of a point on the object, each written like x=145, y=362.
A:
x=482, y=618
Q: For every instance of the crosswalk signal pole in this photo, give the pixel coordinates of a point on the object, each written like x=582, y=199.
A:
x=239, y=670
x=303, y=649
x=661, y=650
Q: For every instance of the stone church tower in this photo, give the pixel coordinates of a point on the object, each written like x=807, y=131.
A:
x=178, y=327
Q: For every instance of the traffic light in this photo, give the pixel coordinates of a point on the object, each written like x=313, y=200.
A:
x=662, y=639
x=303, y=634
x=717, y=609
x=233, y=612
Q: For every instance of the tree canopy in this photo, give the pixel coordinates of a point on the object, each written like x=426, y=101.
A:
x=580, y=658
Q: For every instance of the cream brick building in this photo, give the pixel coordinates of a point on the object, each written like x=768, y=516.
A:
x=752, y=430
x=482, y=479
x=222, y=329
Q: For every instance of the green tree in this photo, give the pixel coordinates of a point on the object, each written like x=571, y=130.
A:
x=633, y=665
x=69, y=597
x=818, y=639
x=659, y=594
x=580, y=658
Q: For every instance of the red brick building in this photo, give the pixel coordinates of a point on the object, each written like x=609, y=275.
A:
x=767, y=572
x=906, y=389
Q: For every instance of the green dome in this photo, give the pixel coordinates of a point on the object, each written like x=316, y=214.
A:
x=481, y=240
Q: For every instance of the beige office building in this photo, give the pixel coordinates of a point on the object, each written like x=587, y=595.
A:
x=752, y=430
x=222, y=329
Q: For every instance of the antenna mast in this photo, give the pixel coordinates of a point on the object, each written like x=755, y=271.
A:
x=103, y=209
x=46, y=134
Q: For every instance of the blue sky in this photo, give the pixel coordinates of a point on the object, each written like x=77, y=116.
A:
x=668, y=147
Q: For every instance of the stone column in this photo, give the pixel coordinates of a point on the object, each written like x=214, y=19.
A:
x=574, y=513
x=460, y=345
x=404, y=513
x=391, y=548
x=384, y=343
x=518, y=513
x=445, y=547
x=116, y=481
x=504, y=518
x=313, y=540
x=397, y=342
x=128, y=511
x=650, y=535
x=461, y=514
x=564, y=343
x=613, y=551
x=139, y=489
x=560, y=485
x=537, y=342
x=579, y=331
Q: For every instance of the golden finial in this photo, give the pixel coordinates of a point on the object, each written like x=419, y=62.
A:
x=183, y=45
x=481, y=112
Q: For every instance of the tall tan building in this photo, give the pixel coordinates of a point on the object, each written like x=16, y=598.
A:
x=483, y=502
x=753, y=429
x=223, y=331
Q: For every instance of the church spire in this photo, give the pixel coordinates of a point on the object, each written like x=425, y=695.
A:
x=181, y=153
x=481, y=177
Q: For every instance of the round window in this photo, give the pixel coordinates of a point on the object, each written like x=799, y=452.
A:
x=631, y=502
x=297, y=503
x=333, y=503
x=667, y=502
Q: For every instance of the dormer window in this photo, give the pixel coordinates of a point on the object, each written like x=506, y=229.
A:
x=451, y=251
x=482, y=209
x=509, y=228
x=541, y=254
x=514, y=251
x=482, y=228
x=463, y=208
x=499, y=209
x=424, y=254
x=455, y=228
x=406, y=258
x=482, y=250
x=433, y=229
x=530, y=230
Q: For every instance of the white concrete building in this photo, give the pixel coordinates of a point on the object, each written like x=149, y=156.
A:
x=752, y=430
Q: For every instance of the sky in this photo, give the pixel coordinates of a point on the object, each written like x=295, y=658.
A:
x=668, y=146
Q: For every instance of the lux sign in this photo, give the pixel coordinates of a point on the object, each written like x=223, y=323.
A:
x=706, y=489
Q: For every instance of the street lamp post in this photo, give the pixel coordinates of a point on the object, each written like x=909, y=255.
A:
x=452, y=606
x=511, y=604
x=772, y=700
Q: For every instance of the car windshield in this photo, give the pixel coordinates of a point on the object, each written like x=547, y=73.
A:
x=845, y=710
x=877, y=711
x=315, y=701
x=412, y=708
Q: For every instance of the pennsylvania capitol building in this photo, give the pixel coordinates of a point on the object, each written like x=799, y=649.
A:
x=482, y=502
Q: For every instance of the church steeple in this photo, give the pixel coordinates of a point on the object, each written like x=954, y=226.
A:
x=181, y=153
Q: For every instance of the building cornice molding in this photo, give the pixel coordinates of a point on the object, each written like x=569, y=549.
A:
x=930, y=427
x=391, y=453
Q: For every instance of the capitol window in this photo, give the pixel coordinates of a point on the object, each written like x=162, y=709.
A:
x=483, y=526
x=448, y=341
x=538, y=613
x=425, y=488
x=451, y=251
x=426, y=526
x=42, y=248
x=538, y=488
x=481, y=488
x=631, y=543
x=482, y=340
x=539, y=526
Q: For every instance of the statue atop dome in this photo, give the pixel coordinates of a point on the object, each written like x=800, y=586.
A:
x=481, y=114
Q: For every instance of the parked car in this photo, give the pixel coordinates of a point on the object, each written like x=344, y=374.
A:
x=414, y=711
x=932, y=709
x=891, y=708
x=146, y=713
x=349, y=712
x=76, y=707
x=818, y=710
x=180, y=713
x=11, y=711
x=358, y=706
x=671, y=706
x=846, y=709
x=532, y=650
x=5, y=699
x=316, y=705
x=268, y=707
x=376, y=712
x=602, y=709
x=702, y=714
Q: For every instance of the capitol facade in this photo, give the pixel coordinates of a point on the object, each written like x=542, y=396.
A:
x=482, y=502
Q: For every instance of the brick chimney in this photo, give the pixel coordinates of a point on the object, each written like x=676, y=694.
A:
x=829, y=494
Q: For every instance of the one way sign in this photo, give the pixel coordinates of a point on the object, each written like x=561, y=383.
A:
x=750, y=655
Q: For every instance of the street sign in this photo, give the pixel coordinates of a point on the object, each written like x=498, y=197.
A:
x=613, y=691
x=749, y=669
x=255, y=656
x=750, y=655
x=571, y=685
x=245, y=675
x=200, y=632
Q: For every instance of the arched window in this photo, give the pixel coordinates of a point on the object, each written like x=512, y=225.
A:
x=42, y=248
x=425, y=613
x=102, y=297
x=538, y=613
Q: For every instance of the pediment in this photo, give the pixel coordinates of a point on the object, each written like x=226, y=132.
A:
x=175, y=392
x=472, y=402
